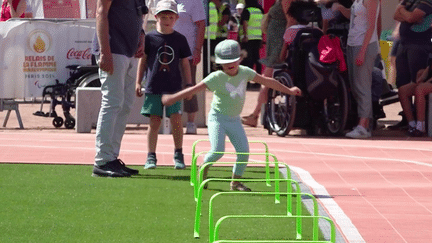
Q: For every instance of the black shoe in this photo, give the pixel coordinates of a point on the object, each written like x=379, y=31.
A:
x=402, y=125
x=110, y=169
x=378, y=111
x=127, y=169
x=389, y=98
x=413, y=132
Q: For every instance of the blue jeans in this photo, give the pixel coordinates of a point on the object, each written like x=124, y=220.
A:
x=218, y=127
x=118, y=94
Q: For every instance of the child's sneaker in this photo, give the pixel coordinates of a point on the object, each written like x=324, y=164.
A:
x=179, y=161
x=150, y=163
x=191, y=128
x=359, y=132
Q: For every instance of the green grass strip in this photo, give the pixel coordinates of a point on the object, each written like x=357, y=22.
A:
x=64, y=203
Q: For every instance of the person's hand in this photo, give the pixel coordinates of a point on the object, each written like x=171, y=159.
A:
x=360, y=59
x=167, y=100
x=296, y=91
x=106, y=63
x=138, y=90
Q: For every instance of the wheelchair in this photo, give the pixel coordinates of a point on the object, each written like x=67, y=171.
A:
x=64, y=93
x=325, y=115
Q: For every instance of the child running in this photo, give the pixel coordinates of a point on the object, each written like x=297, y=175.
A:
x=229, y=88
x=164, y=50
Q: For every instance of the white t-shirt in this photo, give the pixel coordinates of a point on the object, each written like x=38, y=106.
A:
x=190, y=11
x=359, y=24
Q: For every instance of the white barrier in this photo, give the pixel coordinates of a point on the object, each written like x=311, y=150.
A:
x=88, y=101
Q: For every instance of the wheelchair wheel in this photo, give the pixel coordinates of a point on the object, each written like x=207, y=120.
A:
x=69, y=123
x=281, y=108
x=57, y=122
x=91, y=80
x=335, y=109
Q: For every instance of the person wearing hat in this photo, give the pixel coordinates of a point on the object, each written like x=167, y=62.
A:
x=118, y=42
x=229, y=89
x=165, y=52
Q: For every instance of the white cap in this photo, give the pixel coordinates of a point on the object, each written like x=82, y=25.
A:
x=240, y=5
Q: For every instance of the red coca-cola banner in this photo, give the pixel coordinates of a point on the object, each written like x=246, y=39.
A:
x=79, y=54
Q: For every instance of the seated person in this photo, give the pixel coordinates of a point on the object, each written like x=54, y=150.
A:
x=296, y=10
x=419, y=89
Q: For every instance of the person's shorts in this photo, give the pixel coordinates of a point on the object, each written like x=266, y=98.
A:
x=153, y=106
x=410, y=59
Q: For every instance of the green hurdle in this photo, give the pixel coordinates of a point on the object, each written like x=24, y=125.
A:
x=289, y=194
x=196, y=183
x=195, y=156
x=314, y=218
x=201, y=189
x=276, y=171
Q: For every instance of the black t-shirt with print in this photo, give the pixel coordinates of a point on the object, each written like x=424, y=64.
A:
x=164, y=53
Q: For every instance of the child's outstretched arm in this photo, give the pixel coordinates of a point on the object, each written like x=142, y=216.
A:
x=274, y=84
x=169, y=99
x=142, y=66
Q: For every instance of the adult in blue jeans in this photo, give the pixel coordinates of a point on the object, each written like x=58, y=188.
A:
x=118, y=41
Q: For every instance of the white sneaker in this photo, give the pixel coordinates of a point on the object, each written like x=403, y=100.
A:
x=191, y=128
x=359, y=132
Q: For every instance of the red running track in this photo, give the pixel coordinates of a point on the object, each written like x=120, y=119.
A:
x=381, y=189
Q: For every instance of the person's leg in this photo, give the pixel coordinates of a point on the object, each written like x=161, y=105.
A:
x=153, y=133
x=174, y=113
x=238, y=138
x=217, y=136
x=420, y=100
x=252, y=119
x=152, y=108
x=113, y=99
x=361, y=87
x=405, y=93
x=191, y=106
x=129, y=98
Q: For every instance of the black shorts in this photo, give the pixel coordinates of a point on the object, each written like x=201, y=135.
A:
x=410, y=58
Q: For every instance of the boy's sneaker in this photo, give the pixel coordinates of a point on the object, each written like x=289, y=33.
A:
x=150, y=163
x=359, y=132
x=179, y=161
x=191, y=128
x=110, y=169
x=127, y=169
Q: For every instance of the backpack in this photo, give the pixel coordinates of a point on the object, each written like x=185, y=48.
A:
x=321, y=79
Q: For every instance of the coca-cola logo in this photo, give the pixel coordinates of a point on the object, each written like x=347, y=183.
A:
x=77, y=54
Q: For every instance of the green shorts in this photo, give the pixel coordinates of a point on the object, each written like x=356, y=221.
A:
x=153, y=106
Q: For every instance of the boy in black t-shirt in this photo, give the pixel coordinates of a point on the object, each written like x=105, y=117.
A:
x=164, y=50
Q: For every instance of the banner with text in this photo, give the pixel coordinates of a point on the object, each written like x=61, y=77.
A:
x=33, y=54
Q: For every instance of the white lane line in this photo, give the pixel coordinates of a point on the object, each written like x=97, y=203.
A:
x=349, y=231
